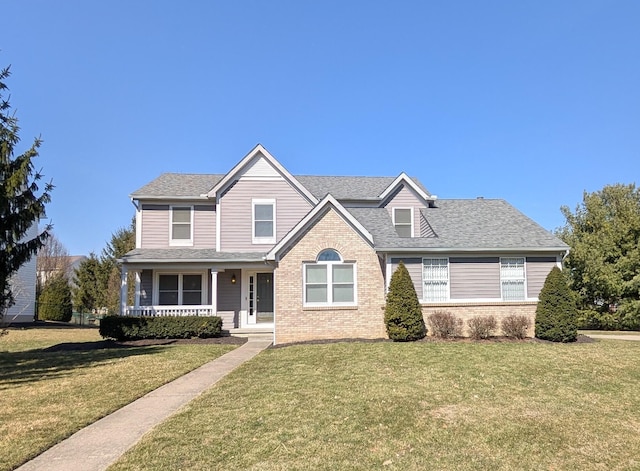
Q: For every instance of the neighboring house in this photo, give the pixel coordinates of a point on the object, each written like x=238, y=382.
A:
x=311, y=257
x=23, y=287
x=66, y=265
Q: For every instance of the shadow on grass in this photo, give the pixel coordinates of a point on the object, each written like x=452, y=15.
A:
x=61, y=360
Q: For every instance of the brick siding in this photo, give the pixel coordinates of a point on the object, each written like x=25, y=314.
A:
x=294, y=323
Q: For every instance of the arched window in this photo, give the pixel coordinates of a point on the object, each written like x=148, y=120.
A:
x=329, y=281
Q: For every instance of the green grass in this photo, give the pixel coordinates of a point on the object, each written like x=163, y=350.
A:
x=48, y=395
x=609, y=332
x=399, y=406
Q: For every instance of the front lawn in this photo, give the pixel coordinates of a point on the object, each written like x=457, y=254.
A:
x=399, y=406
x=49, y=393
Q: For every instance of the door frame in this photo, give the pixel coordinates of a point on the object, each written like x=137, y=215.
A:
x=249, y=296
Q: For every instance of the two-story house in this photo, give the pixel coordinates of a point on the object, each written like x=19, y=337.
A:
x=311, y=257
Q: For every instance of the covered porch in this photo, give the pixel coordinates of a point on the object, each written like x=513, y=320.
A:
x=238, y=289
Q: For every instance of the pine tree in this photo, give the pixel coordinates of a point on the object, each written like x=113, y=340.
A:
x=22, y=203
x=54, y=303
x=556, y=312
x=402, y=314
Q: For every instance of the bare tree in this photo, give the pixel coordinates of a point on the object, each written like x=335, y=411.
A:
x=53, y=258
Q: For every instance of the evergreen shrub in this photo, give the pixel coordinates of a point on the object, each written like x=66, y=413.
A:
x=170, y=327
x=556, y=312
x=54, y=302
x=402, y=313
x=445, y=325
x=515, y=326
x=482, y=327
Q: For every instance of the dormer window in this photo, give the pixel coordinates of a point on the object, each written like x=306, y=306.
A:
x=403, y=221
x=181, y=225
x=264, y=221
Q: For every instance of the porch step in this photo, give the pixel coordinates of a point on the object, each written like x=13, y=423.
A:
x=253, y=333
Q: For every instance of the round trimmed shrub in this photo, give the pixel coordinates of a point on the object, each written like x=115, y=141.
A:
x=54, y=302
x=402, y=313
x=556, y=313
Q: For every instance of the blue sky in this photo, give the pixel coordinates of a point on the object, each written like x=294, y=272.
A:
x=530, y=101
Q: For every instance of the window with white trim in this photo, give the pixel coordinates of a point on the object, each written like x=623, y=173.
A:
x=264, y=221
x=512, y=278
x=435, y=276
x=329, y=281
x=403, y=221
x=181, y=225
x=176, y=289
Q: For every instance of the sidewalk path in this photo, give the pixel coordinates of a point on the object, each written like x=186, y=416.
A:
x=615, y=337
x=100, y=444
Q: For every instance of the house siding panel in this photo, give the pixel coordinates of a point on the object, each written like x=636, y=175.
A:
x=414, y=267
x=407, y=198
x=537, y=270
x=155, y=226
x=204, y=227
x=236, y=208
x=23, y=285
x=474, y=278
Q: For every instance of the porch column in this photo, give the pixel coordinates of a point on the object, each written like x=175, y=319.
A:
x=123, y=291
x=214, y=291
x=136, y=298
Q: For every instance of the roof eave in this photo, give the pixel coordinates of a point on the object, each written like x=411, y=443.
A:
x=471, y=249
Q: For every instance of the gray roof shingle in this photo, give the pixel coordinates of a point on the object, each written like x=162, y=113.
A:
x=463, y=225
x=190, y=255
x=179, y=185
x=184, y=185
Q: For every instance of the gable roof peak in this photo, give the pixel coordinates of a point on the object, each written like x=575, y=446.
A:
x=403, y=178
x=259, y=149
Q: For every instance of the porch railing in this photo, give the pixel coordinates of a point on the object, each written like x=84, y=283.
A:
x=160, y=311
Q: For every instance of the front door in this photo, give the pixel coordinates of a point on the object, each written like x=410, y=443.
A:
x=260, y=308
x=264, y=297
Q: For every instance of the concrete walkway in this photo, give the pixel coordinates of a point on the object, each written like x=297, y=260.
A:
x=615, y=336
x=100, y=444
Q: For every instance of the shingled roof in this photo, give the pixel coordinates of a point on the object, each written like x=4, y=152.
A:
x=463, y=225
x=184, y=185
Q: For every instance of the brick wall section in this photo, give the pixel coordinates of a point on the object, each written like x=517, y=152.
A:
x=294, y=323
x=498, y=310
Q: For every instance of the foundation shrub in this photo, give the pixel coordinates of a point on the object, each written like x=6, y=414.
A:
x=402, y=314
x=445, y=325
x=482, y=327
x=515, y=326
x=139, y=328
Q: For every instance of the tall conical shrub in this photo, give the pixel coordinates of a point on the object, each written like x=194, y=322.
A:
x=54, y=303
x=556, y=313
x=402, y=314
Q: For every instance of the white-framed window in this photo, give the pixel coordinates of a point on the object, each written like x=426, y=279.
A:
x=512, y=278
x=329, y=281
x=180, y=289
x=435, y=277
x=263, y=225
x=181, y=225
x=403, y=221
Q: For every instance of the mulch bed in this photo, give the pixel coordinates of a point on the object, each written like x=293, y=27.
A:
x=63, y=347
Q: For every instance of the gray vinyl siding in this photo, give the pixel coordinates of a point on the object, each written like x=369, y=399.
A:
x=236, y=207
x=414, y=267
x=407, y=198
x=537, y=270
x=23, y=286
x=474, y=278
x=146, y=288
x=155, y=226
x=204, y=227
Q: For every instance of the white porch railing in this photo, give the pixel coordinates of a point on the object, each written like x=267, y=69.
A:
x=160, y=311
